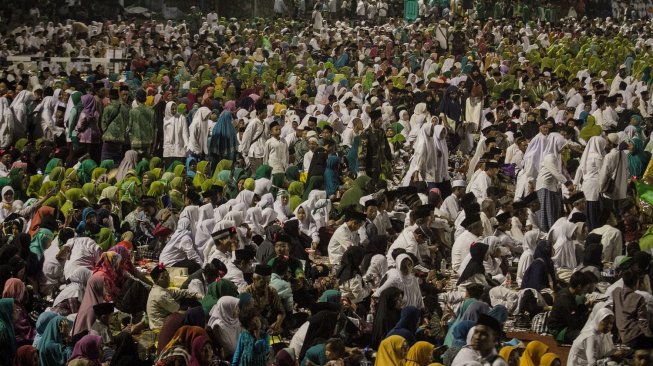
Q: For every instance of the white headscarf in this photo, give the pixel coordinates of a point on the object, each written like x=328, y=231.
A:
x=602, y=342
x=530, y=242
x=254, y=219
x=191, y=213
x=222, y=314
x=564, y=255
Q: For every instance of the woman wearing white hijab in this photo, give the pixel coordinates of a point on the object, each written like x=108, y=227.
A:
x=224, y=320
x=180, y=250
x=175, y=133
x=564, y=249
x=587, y=177
x=441, y=153
x=594, y=342
x=549, y=180
x=424, y=156
x=19, y=106
x=203, y=234
x=198, y=132
x=530, y=242
x=48, y=108
x=402, y=277
x=416, y=121
x=268, y=216
x=306, y=224
x=128, y=163
x=320, y=213
x=6, y=124
x=531, y=161
x=404, y=121
x=254, y=219
x=282, y=206
x=267, y=201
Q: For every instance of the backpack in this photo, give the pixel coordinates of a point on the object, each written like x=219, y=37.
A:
x=539, y=323
x=477, y=90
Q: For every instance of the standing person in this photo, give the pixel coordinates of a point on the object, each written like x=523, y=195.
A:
x=276, y=154
x=375, y=151
x=175, y=134
x=198, y=134
x=141, y=125
x=115, y=117
x=87, y=127
x=613, y=176
x=549, y=180
x=253, y=142
x=223, y=144
x=587, y=177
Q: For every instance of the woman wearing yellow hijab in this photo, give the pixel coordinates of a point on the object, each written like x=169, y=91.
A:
x=510, y=354
x=392, y=351
x=550, y=359
x=419, y=354
x=533, y=353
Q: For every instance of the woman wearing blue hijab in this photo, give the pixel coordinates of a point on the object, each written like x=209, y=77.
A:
x=223, y=143
x=53, y=348
x=7, y=334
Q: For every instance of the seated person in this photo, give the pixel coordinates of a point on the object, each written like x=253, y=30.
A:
x=266, y=300
x=567, y=315
x=630, y=311
x=162, y=301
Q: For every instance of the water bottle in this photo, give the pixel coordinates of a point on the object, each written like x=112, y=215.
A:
x=443, y=265
x=370, y=318
x=365, y=361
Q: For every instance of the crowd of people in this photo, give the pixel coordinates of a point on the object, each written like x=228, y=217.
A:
x=328, y=192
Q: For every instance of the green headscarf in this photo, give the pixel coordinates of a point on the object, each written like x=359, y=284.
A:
x=353, y=195
x=57, y=173
x=173, y=165
x=637, y=159
x=40, y=242
x=200, y=174
x=107, y=164
x=249, y=185
x=223, y=164
x=591, y=129
x=331, y=296
x=105, y=239
x=34, y=186
x=155, y=162
x=97, y=173
x=215, y=291
x=292, y=173
x=53, y=163
x=142, y=167
x=263, y=171
x=179, y=170
x=296, y=190
x=89, y=192
x=85, y=170
x=7, y=328
x=46, y=187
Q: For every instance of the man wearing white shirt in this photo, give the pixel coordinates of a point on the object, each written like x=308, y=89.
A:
x=254, y=138
x=276, y=150
x=451, y=204
x=345, y=236
x=472, y=234
x=237, y=267
x=483, y=180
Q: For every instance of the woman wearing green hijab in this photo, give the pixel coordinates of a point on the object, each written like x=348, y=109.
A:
x=173, y=165
x=85, y=170
x=263, y=171
x=296, y=191
x=156, y=162
x=146, y=181
x=590, y=130
x=107, y=164
x=105, y=238
x=179, y=170
x=249, y=184
x=223, y=165
x=7, y=332
x=56, y=174
x=89, y=190
x=40, y=242
x=292, y=173
x=157, y=190
x=53, y=163
x=637, y=157
x=177, y=193
x=34, y=185
x=201, y=173
x=142, y=167
x=72, y=195
x=353, y=195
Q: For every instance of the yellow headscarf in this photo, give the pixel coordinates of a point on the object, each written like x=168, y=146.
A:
x=548, y=359
x=533, y=353
x=505, y=352
x=200, y=173
x=419, y=354
x=389, y=353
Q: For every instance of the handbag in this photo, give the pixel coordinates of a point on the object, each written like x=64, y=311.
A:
x=611, y=184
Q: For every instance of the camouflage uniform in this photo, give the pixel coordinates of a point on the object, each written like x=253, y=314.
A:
x=374, y=153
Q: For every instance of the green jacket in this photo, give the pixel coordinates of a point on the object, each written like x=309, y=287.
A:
x=114, y=122
x=141, y=127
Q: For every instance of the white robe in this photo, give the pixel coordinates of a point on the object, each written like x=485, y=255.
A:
x=409, y=284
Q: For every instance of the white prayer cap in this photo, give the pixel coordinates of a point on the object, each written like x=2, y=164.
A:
x=310, y=134
x=459, y=183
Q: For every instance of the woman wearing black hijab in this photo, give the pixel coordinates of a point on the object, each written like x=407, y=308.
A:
x=592, y=255
x=126, y=352
x=388, y=311
x=321, y=327
x=541, y=273
x=474, y=272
